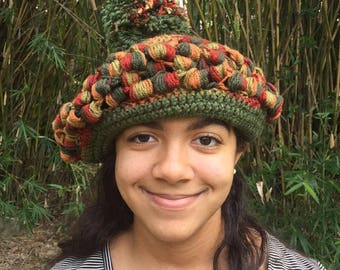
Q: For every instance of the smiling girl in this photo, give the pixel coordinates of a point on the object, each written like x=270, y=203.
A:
x=169, y=118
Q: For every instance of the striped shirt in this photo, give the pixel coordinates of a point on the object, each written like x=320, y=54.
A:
x=279, y=258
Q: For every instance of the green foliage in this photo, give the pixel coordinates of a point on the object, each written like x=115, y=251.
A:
x=304, y=208
x=43, y=46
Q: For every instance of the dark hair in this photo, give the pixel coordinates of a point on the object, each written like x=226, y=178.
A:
x=110, y=215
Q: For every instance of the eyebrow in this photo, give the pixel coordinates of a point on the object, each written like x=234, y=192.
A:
x=196, y=125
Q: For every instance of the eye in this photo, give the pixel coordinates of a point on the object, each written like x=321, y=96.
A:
x=207, y=141
x=142, y=138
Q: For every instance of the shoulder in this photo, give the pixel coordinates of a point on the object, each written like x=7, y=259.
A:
x=281, y=257
x=99, y=261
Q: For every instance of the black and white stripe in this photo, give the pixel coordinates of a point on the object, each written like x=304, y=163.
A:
x=282, y=258
x=279, y=258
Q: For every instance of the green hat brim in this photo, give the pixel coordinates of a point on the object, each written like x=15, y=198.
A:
x=214, y=104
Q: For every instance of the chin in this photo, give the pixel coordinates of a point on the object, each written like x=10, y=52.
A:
x=172, y=235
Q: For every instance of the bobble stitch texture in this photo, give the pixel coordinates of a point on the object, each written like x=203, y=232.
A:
x=169, y=75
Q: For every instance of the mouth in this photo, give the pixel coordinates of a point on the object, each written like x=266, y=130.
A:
x=172, y=201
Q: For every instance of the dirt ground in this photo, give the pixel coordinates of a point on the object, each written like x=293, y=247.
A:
x=27, y=251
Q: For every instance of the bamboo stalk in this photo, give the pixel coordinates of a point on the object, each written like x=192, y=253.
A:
x=261, y=57
x=336, y=105
x=93, y=5
x=245, y=32
x=202, y=18
x=247, y=29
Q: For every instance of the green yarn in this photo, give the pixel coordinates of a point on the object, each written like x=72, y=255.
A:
x=137, y=61
x=158, y=82
x=102, y=87
x=235, y=82
x=121, y=32
x=118, y=94
x=152, y=81
x=212, y=103
x=183, y=49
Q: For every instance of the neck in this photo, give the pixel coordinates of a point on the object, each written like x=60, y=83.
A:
x=195, y=252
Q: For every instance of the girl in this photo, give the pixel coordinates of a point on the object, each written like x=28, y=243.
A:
x=169, y=118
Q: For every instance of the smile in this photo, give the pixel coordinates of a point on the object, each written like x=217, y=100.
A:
x=172, y=201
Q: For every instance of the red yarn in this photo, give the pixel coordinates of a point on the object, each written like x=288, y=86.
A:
x=69, y=144
x=71, y=131
x=57, y=123
x=77, y=100
x=213, y=57
x=87, y=114
x=172, y=80
x=185, y=39
x=141, y=46
x=244, y=84
x=91, y=79
x=125, y=62
x=170, y=52
x=272, y=87
x=253, y=103
x=263, y=96
x=159, y=66
x=85, y=136
x=214, y=74
x=247, y=61
x=276, y=115
x=256, y=76
x=129, y=90
x=161, y=11
x=124, y=79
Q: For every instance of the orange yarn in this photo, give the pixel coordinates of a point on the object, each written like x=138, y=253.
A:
x=141, y=89
x=161, y=68
x=75, y=121
x=115, y=68
x=192, y=79
x=182, y=63
x=130, y=78
x=95, y=94
x=111, y=101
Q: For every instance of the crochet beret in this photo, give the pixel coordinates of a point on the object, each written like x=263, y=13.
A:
x=167, y=76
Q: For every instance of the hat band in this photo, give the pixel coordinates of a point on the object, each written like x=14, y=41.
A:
x=242, y=113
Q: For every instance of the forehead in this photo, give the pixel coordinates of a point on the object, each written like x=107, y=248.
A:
x=190, y=123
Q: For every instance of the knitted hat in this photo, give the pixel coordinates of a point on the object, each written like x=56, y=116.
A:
x=169, y=75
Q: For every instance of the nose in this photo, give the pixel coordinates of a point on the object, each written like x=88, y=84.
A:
x=173, y=164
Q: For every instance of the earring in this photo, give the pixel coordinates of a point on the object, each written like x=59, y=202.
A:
x=234, y=171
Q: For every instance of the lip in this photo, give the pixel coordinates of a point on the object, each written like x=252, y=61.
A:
x=172, y=201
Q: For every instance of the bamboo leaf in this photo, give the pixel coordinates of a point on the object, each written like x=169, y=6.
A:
x=311, y=192
x=293, y=188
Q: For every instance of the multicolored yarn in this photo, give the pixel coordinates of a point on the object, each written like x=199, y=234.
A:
x=165, y=76
x=142, y=10
x=127, y=22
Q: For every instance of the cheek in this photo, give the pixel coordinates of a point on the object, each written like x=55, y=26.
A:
x=216, y=167
x=129, y=167
x=218, y=173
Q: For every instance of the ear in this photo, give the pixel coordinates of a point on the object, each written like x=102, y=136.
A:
x=241, y=148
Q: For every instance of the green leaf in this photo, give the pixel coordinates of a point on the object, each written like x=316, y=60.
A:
x=311, y=191
x=293, y=188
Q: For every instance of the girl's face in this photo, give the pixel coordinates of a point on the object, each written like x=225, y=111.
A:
x=175, y=174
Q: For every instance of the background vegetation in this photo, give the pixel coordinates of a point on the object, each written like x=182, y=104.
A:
x=48, y=48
